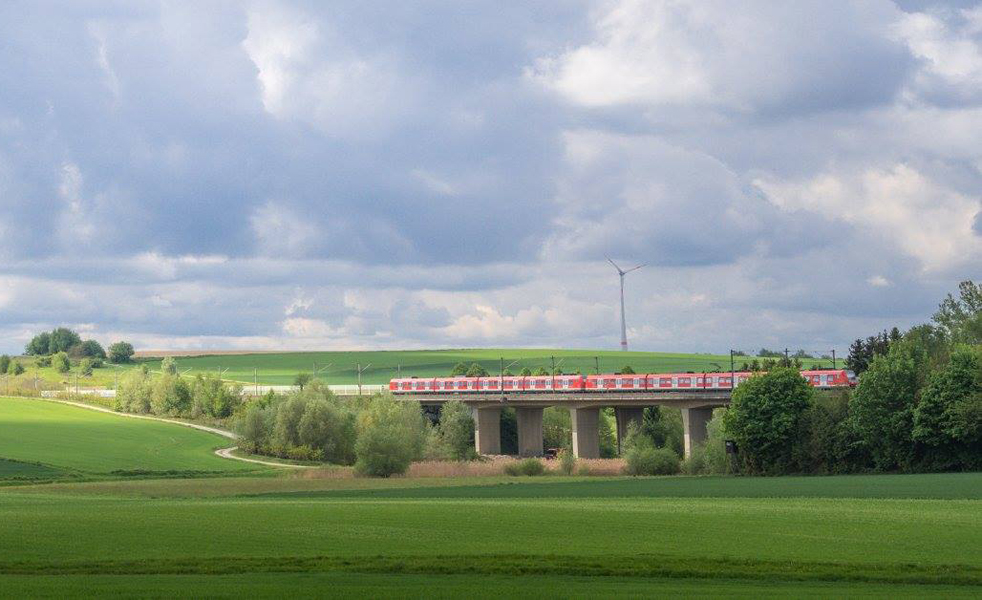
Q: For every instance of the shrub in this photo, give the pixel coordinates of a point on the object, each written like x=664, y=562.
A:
x=134, y=393
x=168, y=366
x=85, y=367
x=529, y=467
x=584, y=470
x=391, y=434
x=457, y=430
x=695, y=463
x=254, y=426
x=4, y=363
x=43, y=361
x=567, y=461
x=60, y=362
x=643, y=458
x=15, y=368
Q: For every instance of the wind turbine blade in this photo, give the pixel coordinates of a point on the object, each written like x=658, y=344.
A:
x=619, y=270
x=635, y=268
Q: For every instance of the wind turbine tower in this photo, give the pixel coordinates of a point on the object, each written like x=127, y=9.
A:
x=621, y=272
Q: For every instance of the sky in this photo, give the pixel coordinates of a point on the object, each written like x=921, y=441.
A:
x=356, y=175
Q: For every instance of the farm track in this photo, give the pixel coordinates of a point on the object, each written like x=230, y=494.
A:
x=222, y=452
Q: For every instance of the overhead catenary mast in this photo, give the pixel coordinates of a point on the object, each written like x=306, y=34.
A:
x=621, y=272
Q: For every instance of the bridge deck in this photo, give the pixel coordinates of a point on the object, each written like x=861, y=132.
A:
x=676, y=398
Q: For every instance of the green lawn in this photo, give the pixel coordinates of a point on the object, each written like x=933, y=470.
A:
x=280, y=369
x=640, y=536
x=90, y=442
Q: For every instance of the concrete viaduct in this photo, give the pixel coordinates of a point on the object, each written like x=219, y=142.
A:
x=584, y=411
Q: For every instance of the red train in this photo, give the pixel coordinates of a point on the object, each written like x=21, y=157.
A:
x=605, y=382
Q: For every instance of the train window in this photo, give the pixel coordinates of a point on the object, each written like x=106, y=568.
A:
x=637, y=382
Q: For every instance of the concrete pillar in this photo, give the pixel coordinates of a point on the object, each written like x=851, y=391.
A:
x=586, y=431
x=487, y=430
x=529, y=431
x=626, y=417
x=694, y=422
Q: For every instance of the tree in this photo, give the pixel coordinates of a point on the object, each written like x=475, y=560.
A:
x=121, y=352
x=15, y=368
x=457, y=429
x=961, y=318
x=476, y=370
x=302, y=379
x=391, y=434
x=946, y=439
x=60, y=362
x=525, y=372
x=765, y=417
x=62, y=339
x=540, y=371
x=459, y=370
x=85, y=367
x=168, y=366
x=882, y=407
x=39, y=344
x=862, y=352
x=88, y=348
x=627, y=370
x=4, y=363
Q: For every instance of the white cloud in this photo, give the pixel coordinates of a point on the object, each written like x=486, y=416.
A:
x=922, y=217
x=309, y=72
x=281, y=232
x=949, y=45
x=878, y=281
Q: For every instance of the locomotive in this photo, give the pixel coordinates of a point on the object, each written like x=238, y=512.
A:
x=605, y=382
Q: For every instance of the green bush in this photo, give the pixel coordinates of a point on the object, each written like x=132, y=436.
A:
x=60, y=362
x=85, y=367
x=695, y=463
x=15, y=368
x=457, y=430
x=567, y=461
x=643, y=458
x=529, y=467
x=391, y=434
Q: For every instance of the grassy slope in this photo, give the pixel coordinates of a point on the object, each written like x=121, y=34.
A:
x=92, y=442
x=280, y=369
x=636, y=532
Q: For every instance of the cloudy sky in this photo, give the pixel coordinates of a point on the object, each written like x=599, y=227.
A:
x=314, y=175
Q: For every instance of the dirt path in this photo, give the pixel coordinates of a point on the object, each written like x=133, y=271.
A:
x=223, y=452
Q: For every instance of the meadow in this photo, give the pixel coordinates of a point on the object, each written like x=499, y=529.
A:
x=380, y=367
x=274, y=533
x=85, y=443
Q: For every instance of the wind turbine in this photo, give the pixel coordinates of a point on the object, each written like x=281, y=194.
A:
x=621, y=272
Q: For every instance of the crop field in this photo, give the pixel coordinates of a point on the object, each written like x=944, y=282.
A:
x=288, y=534
x=65, y=439
x=380, y=367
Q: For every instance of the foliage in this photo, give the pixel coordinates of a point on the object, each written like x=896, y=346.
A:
x=948, y=419
x=302, y=379
x=664, y=426
x=88, y=348
x=607, y=426
x=862, y=352
x=961, y=318
x=556, y=427
x=61, y=363
x=15, y=368
x=170, y=395
x=456, y=429
x=765, y=418
x=626, y=370
x=882, y=407
x=85, y=367
x=540, y=371
x=525, y=372
x=121, y=352
x=210, y=396
x=168, y=366
x=567, y=461
x=459, y=370
x=476, y=370
x=765, y=353
x=509, y=430
x=4, y=363
x=391, y=434
x=643, y=458
x=529, y=467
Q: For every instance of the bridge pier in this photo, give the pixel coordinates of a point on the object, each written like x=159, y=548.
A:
x=626, y=417
x=529, y=431
x=487, y=429
x=586, y=431
x=694, y=431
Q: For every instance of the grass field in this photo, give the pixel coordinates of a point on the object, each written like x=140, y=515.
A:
x=280, y=369
x=882, y=536
x=66, y=438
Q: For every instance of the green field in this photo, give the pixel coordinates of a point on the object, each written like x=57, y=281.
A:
x=91, y=443
x=380, y=367
x=289, y=535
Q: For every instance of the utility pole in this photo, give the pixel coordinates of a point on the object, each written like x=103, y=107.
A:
x=833, y=359
x=787, y=359
x=360, y=369
x=596, y=360
x=255, y=379
x=732, y=372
